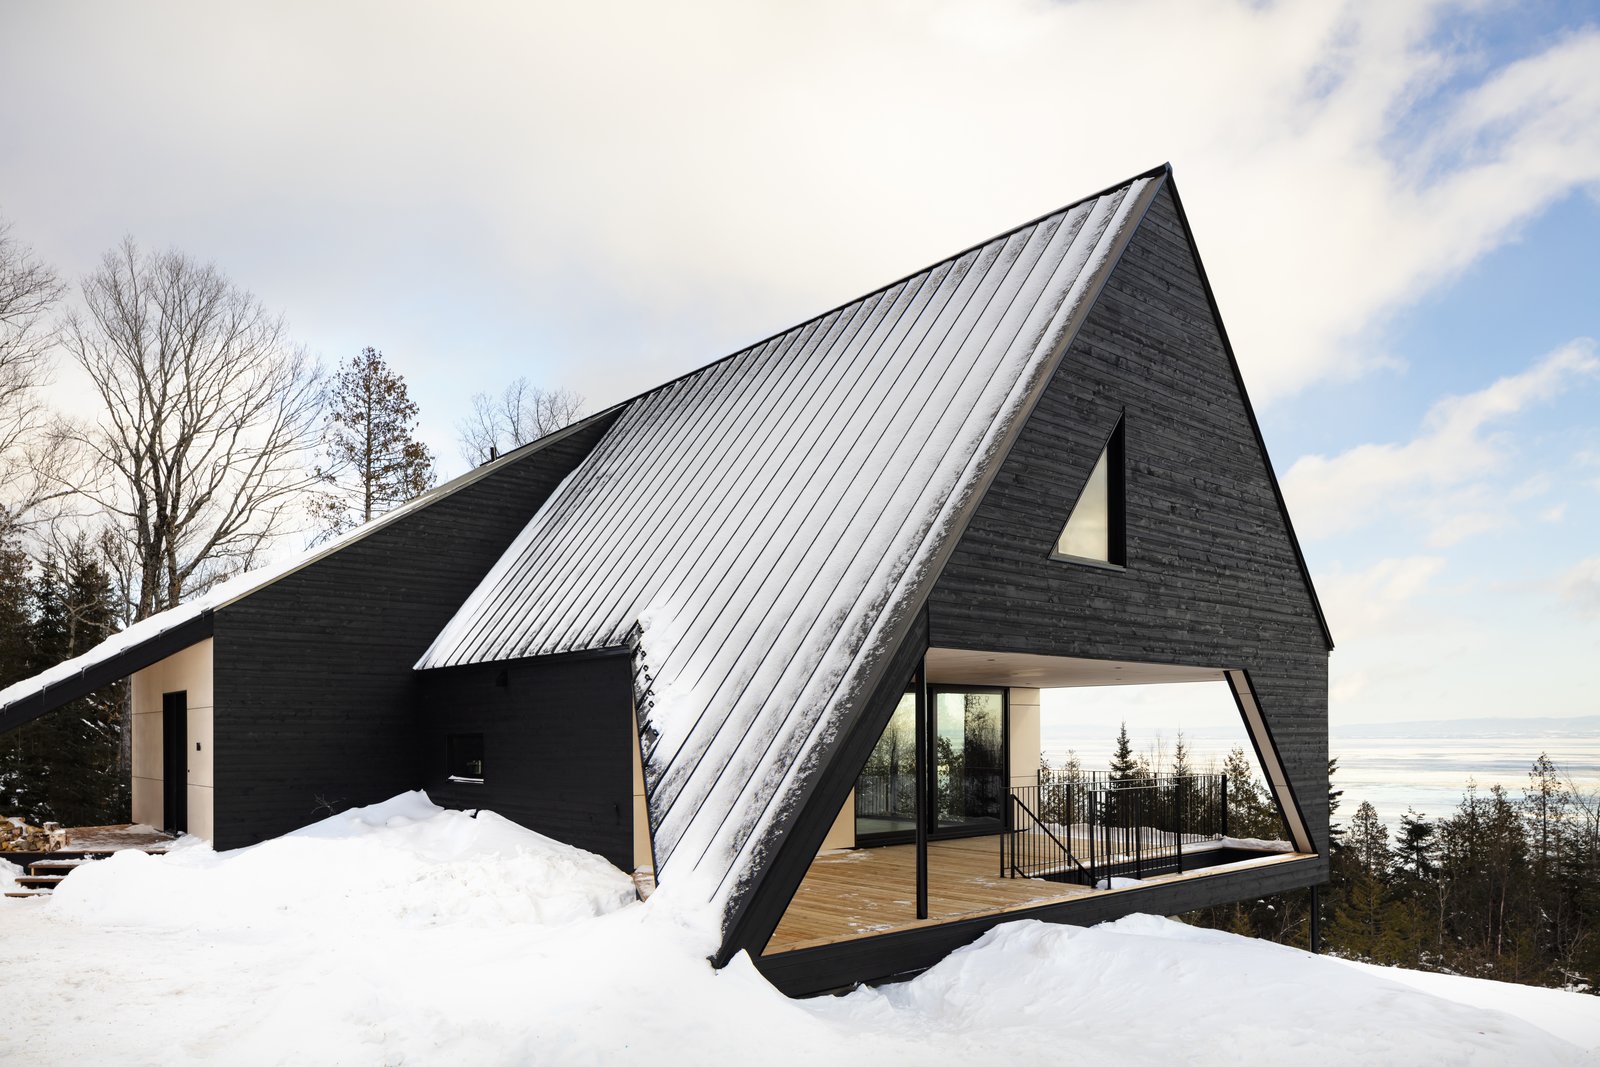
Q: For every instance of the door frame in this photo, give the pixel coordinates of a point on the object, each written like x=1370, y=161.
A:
x=175, y=761
x=935, y=833
x=926, y=807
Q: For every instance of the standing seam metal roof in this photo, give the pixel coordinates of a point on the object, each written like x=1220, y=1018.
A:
x=757, y=526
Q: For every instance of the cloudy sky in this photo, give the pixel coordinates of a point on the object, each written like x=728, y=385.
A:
x=1399, y=206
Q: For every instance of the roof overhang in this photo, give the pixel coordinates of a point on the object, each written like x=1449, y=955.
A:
x=55, y=689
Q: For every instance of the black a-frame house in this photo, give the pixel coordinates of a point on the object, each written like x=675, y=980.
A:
x=698, y=616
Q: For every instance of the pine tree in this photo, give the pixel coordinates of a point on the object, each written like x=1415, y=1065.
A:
x=1251, y=813
x=1369, y=842
x=72, y=757
x=374, y=461
x=1124, y=764
x=1358, y=918
x=16, y=661
x=1181, y=766
x=1416, y=845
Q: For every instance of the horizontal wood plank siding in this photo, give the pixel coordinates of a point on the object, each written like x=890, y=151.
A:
x=1212, y=576
x=315, y=691
x=557, y=736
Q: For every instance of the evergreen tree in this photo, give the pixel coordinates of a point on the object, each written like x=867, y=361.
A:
x=1368, y=842
x=1181, y=765
x=1415, y=845
x=1335, y=798
x=374, y=461
x=1359, y=916
x=71, y=758
x=1124, y=764
x=16, y=660
x=1251, y=812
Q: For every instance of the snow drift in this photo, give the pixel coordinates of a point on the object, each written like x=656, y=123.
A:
x=406, y=933
x=405, y=862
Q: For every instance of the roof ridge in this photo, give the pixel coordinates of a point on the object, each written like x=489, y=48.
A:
x=1164, y=169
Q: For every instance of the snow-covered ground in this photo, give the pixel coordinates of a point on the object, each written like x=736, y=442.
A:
x=403, y=933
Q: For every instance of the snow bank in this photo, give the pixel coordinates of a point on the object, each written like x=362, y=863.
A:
x=403, y=933
x=403, y=862
x=1549, y=1009
x=8, y=875
x=1151, y=990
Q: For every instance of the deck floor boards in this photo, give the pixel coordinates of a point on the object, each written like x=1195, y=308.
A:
x=856, y=892
x=853, y=893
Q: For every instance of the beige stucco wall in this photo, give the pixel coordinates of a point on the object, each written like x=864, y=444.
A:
x=842, y=834
x=190, y=671
x=1024, y=732
x=642, y=857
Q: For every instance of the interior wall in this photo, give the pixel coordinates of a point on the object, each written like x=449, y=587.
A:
x=842, y=834
x=188, y=671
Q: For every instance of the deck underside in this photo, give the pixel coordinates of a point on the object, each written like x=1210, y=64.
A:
x=862, y=892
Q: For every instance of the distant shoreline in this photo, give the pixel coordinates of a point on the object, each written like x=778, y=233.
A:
x=1496, y=726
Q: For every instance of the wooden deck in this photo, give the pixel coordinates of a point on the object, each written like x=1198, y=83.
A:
x=855, y=892
x=859, y=892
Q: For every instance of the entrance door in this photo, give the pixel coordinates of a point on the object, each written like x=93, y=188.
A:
x=969, y=760
x=175, y=762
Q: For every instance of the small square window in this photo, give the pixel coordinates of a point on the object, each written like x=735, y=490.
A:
x=466, y=758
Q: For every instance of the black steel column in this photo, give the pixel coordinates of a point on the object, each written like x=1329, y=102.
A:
x=1316, y=920
x=924, y=788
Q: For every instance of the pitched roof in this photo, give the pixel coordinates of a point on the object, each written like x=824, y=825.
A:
x=762, y=528
x=166, y=632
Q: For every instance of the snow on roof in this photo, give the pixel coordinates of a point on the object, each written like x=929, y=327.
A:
x=126, y=644
x=763, y=526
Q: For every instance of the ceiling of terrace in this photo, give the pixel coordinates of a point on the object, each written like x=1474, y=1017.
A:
x=962, y=666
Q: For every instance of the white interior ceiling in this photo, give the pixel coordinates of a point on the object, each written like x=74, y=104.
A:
x=952, y=665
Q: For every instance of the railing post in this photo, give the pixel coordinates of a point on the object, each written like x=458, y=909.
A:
x=1177, y=798
x=1094, y=879
x=1224, y=785
x=1138, y=833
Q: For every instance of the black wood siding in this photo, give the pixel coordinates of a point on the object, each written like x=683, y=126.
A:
x=558, y=745
x=315, y=692
x=1212, y=574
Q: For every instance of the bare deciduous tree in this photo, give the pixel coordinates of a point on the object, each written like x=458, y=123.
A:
x=210, y=418
x=522, y=413
x=28, y=290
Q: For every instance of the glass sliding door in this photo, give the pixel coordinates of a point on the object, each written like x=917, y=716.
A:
x=886, y=792
x=966, y=731
x=969, y=759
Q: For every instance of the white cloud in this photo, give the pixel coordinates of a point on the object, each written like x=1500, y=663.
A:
x=1444, y=476
x=1362, y=603
x=1580, y=587
x=603, y=195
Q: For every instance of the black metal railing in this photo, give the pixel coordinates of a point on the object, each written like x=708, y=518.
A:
x=1090, y=828
x=886, y=796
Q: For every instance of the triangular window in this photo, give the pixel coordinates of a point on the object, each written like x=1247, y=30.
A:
x=1094, y=530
